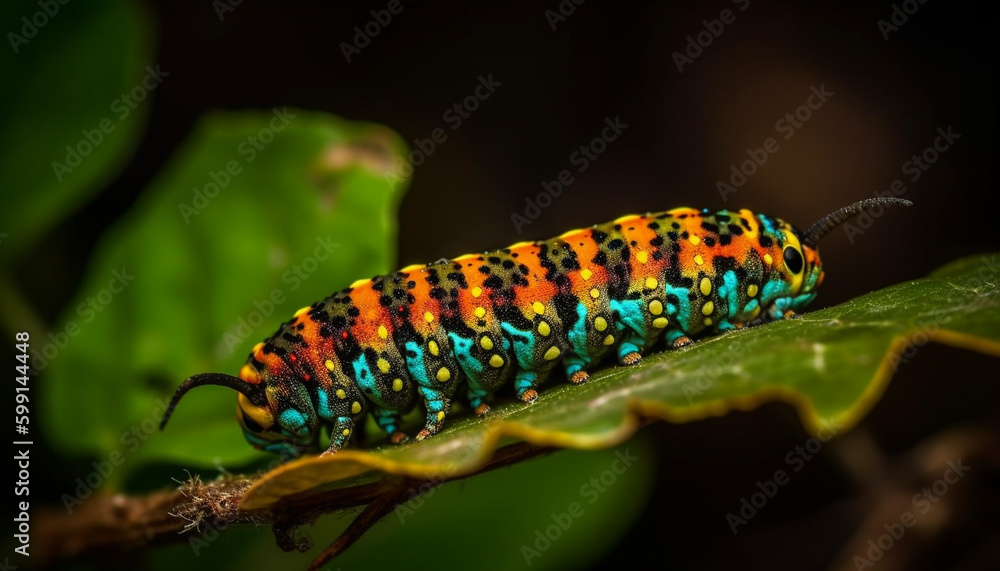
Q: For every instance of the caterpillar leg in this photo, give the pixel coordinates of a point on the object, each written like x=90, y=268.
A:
x=341, y=432
x=576, y=369
x=526, y=385
x=477, y=399
x=437, y=405
x=388, y=421
x=677, y=339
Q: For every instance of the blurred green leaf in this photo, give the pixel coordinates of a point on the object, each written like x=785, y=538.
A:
x=832, y=365
x=257, y=215
x=62, y=81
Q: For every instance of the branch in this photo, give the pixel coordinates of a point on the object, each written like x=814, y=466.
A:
x=121, y=523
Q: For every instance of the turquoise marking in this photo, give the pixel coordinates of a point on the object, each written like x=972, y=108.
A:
x=799, y=302
x=415, y=364
x=463, y=351
x=630, y=313
x=386, y=419
x=768, y=225
x=364, y=377
x=773, y=289
x=293, y=421
x=683, y=309
x=749, y=309
x=730, y=291
x=523, y=350
x=324, y=404
x=674, y=335
x=578, y=338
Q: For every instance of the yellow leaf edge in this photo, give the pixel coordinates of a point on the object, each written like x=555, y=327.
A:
x=349, y=463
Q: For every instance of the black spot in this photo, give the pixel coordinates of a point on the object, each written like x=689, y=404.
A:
x=722, y=217
x=793, y=259
x=437, y=293
x=709, y=241
x=398, y=293
x=653, y=225
x=710, y=227
x=765, y=241
x=734, y=229
x=672, y=235
x=508, y=264
x=385, y=300
x=494, y=260
x=745, y=223
x=411, y=284
x=353, y=311
x=601, y=259
x=675, y=226
x=485, y=270
x=598, y=236
x=615, y=244
x=725, y=239
x=493, y=282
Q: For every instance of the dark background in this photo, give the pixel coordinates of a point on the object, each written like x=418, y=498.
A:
x=684, y=131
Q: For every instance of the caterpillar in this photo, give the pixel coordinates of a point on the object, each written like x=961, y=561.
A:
x=481, y=321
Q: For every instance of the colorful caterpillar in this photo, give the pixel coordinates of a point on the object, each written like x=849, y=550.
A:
x=481, y=321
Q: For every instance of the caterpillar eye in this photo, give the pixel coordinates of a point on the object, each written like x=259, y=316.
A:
x=251, y=424
x=793, y=259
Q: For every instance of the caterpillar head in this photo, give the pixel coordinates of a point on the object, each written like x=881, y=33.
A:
x=274, y=411
x=802, y=264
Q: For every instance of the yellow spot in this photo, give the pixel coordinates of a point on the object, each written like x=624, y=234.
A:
x=643, y=257
x=258, y=347
x=595, y=293
x=544, y=329
x=609, y=339
x=708, y=321
x=694, y=239
x=347, y=432
x=341, y=394
x=440, y=416
x=383, y=332
x=359, y=283
x=708, y=308
x=301, y=311
x=600, y=324
x=355, y=407
x=626, y=218
x=433, y=346
x=656, y=307
x=413, y=267
x=706, y=286
x=585, y=274
x=397, y=385
x=660, y=322
x=552, y=353
x=651, y=283
x=752, y=290
x=768, y=259
x=496, y=361
x=477, y=291
x=486, y=343
x=248, y=374
x=755, y=313
x=699, y=260
x=428, y=317
x=329, y=365
x=479, y=312
x=443, y=374
x=383, y=365
x=539, y=307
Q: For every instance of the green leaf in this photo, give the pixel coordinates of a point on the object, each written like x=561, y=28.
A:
x=831, y=364
x=257, y=215
x=66, y=78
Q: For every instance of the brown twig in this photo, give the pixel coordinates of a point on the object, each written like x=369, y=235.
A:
x=120, y=523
